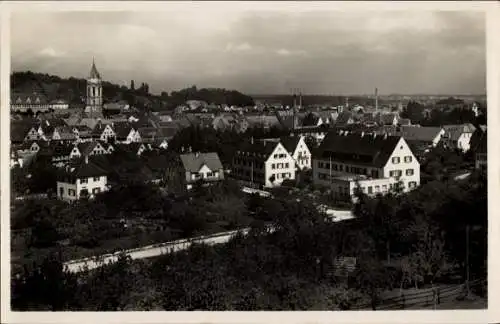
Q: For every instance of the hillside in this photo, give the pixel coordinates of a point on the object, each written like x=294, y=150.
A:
x=73, y=90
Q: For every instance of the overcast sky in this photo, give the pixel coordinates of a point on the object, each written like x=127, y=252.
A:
x=326, y=52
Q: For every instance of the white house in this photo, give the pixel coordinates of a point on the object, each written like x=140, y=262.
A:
x=377, y=163
x=458, y=136
x=263, y=164
x=103, y=132
x=186, y=169
x=297, y=148
x=88, y=149
x=126, y=134
x=83, y=180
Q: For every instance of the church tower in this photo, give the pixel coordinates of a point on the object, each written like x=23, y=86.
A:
x=94, y=93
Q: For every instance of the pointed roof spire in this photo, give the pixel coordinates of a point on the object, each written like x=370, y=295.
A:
x=94, y=74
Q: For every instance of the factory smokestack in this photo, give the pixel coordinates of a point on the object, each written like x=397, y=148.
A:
x=376, y=99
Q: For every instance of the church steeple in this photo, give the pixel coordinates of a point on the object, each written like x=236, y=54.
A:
x=94, y=74
x=94, y=93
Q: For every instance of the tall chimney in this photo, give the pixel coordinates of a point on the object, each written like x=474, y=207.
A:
x=376, y=99
x=294, y=109
x=86, y=159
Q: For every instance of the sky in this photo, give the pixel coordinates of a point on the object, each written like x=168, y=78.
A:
x=261, y=52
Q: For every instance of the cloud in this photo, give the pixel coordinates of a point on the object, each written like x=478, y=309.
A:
x=51, y=52
x=286, y=52
x=243, y=47
x=258, y=52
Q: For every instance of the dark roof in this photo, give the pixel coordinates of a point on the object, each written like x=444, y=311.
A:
x=344, y=117
x=311, y=119
x=192, y=162
x=422, y=134
x=122, y=130
x=357, y=148
x=263, y=148
x=290, y=143
x=86, y=147
x=455, y=131
x=81, y=169
x=19, y=130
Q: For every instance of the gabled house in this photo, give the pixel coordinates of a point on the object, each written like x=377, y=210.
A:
x=184, y=170
x=31, y=147
x=60, y=154
x=458, y=136
x=83, y=179
x=132, y=148
x=126, y=134
x=375, y=163
x=423, y=138
x=21, y=131
x=103, y=132
x=389, y=119
x=297, y=148
x=345, y=118
x=88, y=149
x=263, y=164
x=82, y=133
x=63, y=134
x=312, y=119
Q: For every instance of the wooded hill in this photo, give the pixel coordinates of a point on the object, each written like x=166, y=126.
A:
x=73, y=90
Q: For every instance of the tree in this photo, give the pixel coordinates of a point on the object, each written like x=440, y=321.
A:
x=32, y=286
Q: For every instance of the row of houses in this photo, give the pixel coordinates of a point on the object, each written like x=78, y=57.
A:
x=343, y=162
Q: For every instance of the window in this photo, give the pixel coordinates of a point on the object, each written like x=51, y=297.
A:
x=370, y=190
x=384, y=188
x=341, y=167
x=408, y=159
x=275, y=156
x=395, y=160
x=287, y=165
x=412, y=184
x=61, y=191
x=83, y=180
x=71, y=192
x=320, y=165
x=96, y=191
x=377, y=188
x=284, y=175
x=273, y=166
x=409, y=172
x=97, y=178
x=216, y=174
x=210, y=174
x=363, y=189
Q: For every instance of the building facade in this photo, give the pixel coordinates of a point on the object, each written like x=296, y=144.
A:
x=376, y=164
x=263, y=164
x=84, y=180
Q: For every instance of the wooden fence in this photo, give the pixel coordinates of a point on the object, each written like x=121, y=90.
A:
x=425, y=298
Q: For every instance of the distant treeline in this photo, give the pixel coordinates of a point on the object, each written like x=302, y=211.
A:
x=74, y=90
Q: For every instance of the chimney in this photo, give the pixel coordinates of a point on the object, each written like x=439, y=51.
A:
x=376, y=99
x=362, y=134
x=86, y=159
x=251, y=140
